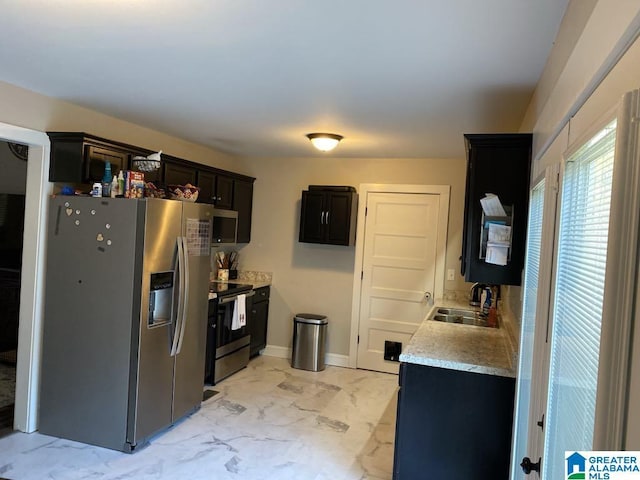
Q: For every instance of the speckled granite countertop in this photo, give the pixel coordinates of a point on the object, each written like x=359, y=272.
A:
x=255, y=279
x=467, y=348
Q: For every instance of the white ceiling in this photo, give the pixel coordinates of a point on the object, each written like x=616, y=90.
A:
x=399, y=78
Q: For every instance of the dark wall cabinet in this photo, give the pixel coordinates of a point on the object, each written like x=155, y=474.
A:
x=215, y=189
x=243, y=204
x=258, y=320
x=328, y=215
x=178, y=174
x=452, y=424
x=80, y=158
x=498, y=164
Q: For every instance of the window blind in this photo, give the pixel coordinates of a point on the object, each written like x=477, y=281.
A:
x=531, y=276
x=578, y=299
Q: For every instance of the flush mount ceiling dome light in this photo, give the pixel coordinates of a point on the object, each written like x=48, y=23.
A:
x=324, y=141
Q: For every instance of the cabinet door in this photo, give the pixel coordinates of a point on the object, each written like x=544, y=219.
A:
x=338, y=218
x=96, y=159
x=243, y=204
x=312, y=215
x=207, y=185
x=224, y=192
x=258, y=326
x=177, y=174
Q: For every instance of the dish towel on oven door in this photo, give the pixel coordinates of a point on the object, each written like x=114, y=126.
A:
x=239, y=318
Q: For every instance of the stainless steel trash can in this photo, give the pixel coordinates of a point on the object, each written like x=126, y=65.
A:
x=309, y=337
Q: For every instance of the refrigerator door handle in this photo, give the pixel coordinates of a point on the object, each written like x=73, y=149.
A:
x=180, y=315
x=185, y=293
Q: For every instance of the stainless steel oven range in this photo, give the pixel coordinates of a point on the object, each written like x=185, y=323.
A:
x=227, y=348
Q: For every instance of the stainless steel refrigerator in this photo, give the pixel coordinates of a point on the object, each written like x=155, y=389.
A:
x=125, y=317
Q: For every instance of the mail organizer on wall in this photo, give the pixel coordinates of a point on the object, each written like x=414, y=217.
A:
x=496, y=204
x=495, y=238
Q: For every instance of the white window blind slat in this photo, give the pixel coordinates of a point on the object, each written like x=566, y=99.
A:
x=578, y=299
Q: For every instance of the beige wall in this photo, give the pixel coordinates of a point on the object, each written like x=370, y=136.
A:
x=319, y=278
x=27, y=109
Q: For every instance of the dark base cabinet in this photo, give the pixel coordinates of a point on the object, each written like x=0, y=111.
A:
x=258, y=320
x=452, y=425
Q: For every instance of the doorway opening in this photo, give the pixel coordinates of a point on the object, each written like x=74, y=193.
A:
x=13, y=184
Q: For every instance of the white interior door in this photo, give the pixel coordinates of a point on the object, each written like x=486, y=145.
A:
x=398, y=272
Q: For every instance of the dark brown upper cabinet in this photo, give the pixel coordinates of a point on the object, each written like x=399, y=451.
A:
x=243, y=204
x=81, y=158
x=498, y=164
x=328, y=215
x=177, y=173
x=215, y=189
x=78, y=157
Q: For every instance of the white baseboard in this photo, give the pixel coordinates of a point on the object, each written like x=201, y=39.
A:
x=334, y=359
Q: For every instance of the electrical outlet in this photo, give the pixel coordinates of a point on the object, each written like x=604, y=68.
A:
x=451, y=274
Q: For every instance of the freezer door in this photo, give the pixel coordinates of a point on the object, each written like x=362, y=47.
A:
x=190, y=358
x=152, y=387
x=90, y=318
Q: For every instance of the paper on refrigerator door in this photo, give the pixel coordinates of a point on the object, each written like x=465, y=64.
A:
x=491, y=206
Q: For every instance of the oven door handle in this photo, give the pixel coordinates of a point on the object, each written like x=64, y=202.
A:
x=232, y=298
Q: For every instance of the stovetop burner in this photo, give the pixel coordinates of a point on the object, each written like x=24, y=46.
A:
x=228, y=288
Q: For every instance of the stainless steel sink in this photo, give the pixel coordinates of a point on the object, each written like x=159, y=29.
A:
x=459, y=311
x=465, y=317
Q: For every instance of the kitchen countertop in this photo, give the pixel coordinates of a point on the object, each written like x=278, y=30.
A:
x=467, y=348
x=255, y=279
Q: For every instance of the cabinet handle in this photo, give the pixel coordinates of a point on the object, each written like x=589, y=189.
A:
x=326, y=218
x=321, y=218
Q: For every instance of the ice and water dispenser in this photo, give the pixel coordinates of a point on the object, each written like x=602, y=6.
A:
x=160, y=298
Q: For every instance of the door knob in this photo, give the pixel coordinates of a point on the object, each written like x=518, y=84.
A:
x=427, y=297
x=528, y=466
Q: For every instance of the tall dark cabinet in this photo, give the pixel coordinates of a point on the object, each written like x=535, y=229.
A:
x=498, y=164
x=328, y=215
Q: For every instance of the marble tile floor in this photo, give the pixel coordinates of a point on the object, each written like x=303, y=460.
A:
x=268, y=422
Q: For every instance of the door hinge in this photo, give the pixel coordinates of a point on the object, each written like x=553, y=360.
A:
x=358, y=339
x=361, y=274
x=366, y=209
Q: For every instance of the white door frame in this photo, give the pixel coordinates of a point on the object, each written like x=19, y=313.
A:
x=32, y=278
x=441, y=247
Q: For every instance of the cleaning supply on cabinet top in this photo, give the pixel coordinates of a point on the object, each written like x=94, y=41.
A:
x=106, y=180
x=115, y=191
x=120, y=183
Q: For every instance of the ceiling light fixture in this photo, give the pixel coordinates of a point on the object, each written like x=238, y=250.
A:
x=324, y=141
